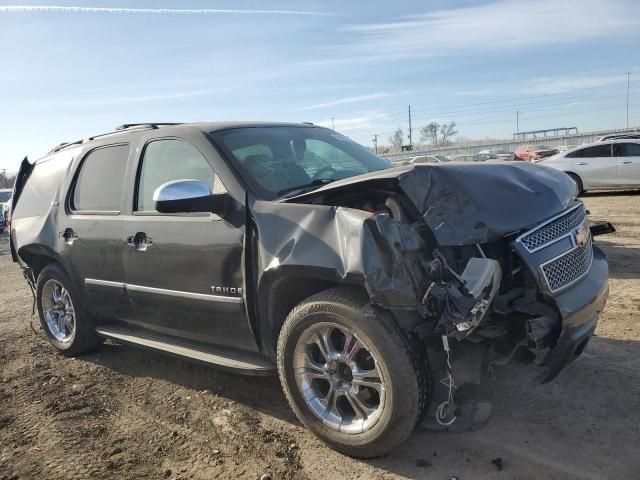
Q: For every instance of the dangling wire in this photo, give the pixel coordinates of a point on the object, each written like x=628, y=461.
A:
x=445, y=412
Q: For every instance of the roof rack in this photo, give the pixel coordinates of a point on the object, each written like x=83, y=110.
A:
x=128, y=126
x=119, y=129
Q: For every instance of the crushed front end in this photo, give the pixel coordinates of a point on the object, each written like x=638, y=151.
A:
x=492, y=262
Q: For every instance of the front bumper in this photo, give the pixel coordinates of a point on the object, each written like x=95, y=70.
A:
x=579, y=307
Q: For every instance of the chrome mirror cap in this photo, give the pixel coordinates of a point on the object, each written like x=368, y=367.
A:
x=181, y=190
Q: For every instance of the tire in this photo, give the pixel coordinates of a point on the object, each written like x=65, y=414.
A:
x=576, y=179
x=79, y=339
x=401, y=369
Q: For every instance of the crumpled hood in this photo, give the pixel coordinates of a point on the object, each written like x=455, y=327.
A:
x=474, y=203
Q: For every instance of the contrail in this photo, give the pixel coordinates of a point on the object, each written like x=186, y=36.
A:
x=153, y=11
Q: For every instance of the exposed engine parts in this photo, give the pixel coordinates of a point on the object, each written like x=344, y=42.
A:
x=468, y=297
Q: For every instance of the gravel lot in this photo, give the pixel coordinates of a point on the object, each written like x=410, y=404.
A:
x=128, y=413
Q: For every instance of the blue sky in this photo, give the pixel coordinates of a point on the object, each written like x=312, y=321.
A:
x=68, y=73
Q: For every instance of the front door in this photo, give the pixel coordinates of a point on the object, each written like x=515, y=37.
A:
x=596, y=166
x=183, y=271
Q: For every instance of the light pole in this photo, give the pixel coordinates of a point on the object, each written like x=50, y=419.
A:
x=628, y=74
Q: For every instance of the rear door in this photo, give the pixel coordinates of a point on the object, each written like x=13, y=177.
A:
x=183, y=271
x=628, y=158
x=595, y=165
x=90, y=235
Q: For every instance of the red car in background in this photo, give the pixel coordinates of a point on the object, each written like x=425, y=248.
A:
x=530, y=153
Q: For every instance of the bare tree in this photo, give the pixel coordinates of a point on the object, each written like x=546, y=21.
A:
x=430, y=132
x=6, y=179
x=447, y=130
x=396, y=139
x=439, y=135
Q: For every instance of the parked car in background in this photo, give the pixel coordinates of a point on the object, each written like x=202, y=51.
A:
x=619, y=136
x=565, y=148
x=463, y=158
x=529, y=153
x=607, y=164
x=5, y=203
x=497, y=154
x=429, y=159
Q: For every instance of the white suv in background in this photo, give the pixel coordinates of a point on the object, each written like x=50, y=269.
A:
x=604, y=165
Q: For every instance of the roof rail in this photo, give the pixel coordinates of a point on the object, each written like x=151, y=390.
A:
x=127, y=126
x=120, y=129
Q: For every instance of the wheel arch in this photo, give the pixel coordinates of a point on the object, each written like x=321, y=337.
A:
x=572, y=173
x=37, y=257
x=279, y=293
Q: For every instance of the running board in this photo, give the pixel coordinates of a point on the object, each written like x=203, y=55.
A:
x=241, y=363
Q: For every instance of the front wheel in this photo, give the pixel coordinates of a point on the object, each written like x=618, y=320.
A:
x=576, y=179
x=350, y=374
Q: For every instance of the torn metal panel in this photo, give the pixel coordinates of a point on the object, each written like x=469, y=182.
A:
x=345, y=245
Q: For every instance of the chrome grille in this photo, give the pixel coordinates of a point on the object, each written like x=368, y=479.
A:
x=554, y=229
x=569, y=267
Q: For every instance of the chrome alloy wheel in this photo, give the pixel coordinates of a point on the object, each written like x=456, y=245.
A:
x=58, y=311
x=339, y=378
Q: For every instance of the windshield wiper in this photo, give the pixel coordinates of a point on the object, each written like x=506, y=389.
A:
x=293, y=191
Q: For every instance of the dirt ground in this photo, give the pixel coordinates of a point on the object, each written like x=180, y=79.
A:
x=128, y=413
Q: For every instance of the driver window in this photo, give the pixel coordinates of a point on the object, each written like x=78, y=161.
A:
x=166, y=160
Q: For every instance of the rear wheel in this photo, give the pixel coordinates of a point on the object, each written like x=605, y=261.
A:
x=350, y=374
x=68, y=327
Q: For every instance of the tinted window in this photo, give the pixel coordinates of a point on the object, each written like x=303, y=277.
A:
x=575, y=154
x=167, y=160
x=626, y=149
x=99, y=183
x=597, y=151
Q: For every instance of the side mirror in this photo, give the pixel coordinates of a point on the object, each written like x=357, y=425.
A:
x=189, y=196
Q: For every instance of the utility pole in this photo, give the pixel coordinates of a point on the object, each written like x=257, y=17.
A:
x=627, y=74
x=375, y=142
x=410, y=143
x=333, y=127
x=517, y=121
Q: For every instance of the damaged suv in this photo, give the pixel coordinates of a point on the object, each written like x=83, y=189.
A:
x=288, y=248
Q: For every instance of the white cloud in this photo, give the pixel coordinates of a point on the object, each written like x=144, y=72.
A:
x=498, y=26
x=359, y=123
x=340, y=101
x=570, y=83
x=156, y=11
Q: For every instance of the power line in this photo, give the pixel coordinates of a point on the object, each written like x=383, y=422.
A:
x=501, y=109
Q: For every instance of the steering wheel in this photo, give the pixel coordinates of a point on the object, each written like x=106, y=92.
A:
x=322, y=170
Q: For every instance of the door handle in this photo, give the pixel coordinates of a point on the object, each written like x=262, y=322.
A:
x=139, y=241
x=69, y=236
x=582, y=163
x=626, y=162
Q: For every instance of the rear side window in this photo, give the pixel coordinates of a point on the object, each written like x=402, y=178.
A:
x=597, y=151
x=99, y=184
x=167, y=160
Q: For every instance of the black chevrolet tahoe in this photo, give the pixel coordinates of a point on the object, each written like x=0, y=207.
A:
x=287, y=248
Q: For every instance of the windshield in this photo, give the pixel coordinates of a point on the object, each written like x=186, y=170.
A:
x=442, y=158
x=279, y=160
x=5, y=197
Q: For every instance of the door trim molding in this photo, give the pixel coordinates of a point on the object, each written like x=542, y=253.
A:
x=164, y=291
